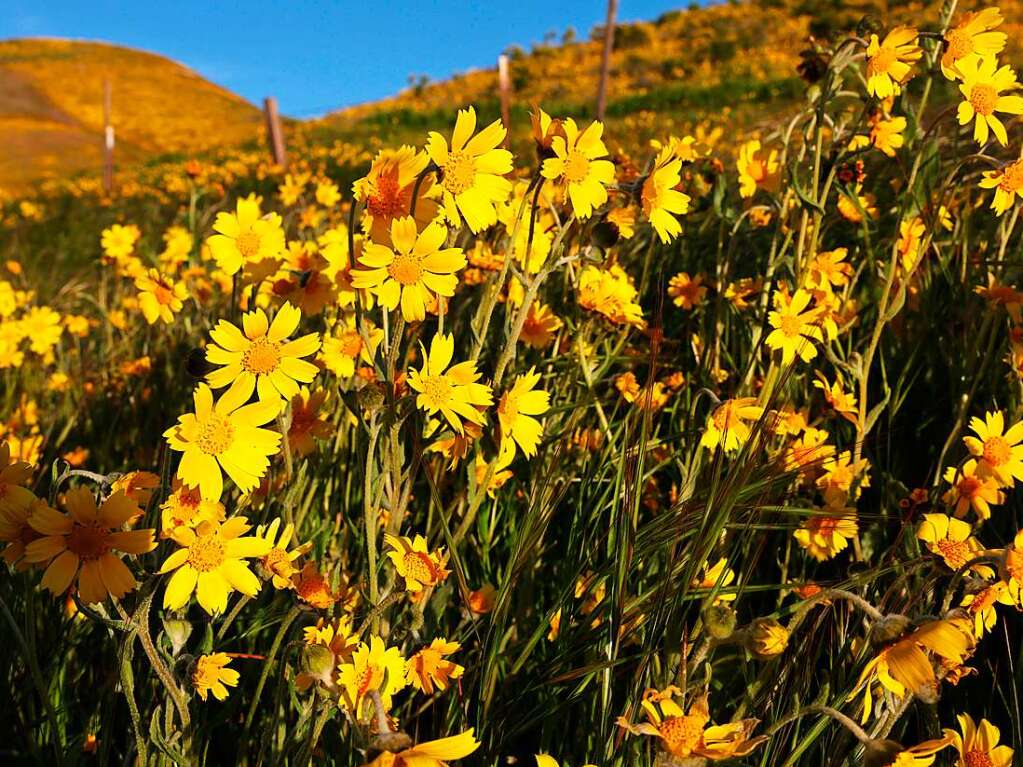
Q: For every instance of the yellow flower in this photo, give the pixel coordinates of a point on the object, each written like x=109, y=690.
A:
x=225, y=435
x=767, y=638
x=982, y=86
x=687, y=292
x=14, y=475
x=386, y=192
x=345, y=346
x=185, y=507
x=327, y=194
x=853, y=207
x=727, y=426
x=160, y=298
x=212, y=675
x=686, y=733
x=829, y=270
x=611, y=293
x=243, y=237
x=795, y=327
x=118, y=241
x=432, y=753
x=999, y=451
x=978, y=744
x=828, y=533
x=418, y=268
x=278, y=561
x=453, y=391
x=577, y=166
x=137, y=485
x=211, y=563
x=373, y=667
x=757, y=169
x=83, y=542
x=306, y=424
x=516, y=408
x=980, y=606
x=1007, y=182
x=499, y=473
x=262, y=358
x=903, y=667
x=540, y=326
x=889, y=63
x=472, y=170
x=972, y=38
x=971, y=490
x=416, y=564
x=720, y=576
x=313, y=588
x=886, y=135
x=428, y=669
x=953, y=541
x=661, y=200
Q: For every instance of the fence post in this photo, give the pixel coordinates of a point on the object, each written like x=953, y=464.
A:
x=504, y=85
x=605, y=62
x=108, y=139
x=274, y=131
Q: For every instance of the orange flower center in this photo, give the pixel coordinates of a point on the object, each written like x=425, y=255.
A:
x=276, y=561
x=88, y=541
x=682, y=733
x=387, y=200
x=262, y=357
x=1012, y=177
x=977, y=759
x=996, y=451
x=247, y=244
x=365, y=680
x=438, y=390
x=406, y=268
x=880, y=63
x=969, y=487
x=791, y=325
x=724, y=417
x=955, y=553
x=163, y=293
x=960, y=44
x=419, y=567
x=577, y=167
x=459, y=172
x=983, y=97
x=216, y=435
x=826, y=526
x=207, y=553
x=351, y=343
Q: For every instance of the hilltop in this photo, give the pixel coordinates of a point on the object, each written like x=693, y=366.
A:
x=51, y=108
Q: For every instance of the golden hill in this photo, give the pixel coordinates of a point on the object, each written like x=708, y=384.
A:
x=51, y=108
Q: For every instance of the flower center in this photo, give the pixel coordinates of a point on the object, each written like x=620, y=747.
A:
x=459, y=172
x=351, y=343
x=262, y=356
x=960, y=44
x=277, y=562
x=419, y=567
x=983, y=97
x=164, y=295
x=365, y=680
x=969, y=487
x=406, y=268
x=996, y=451
x=881, y=62
x=955, y=553
x=438, y=390
x=247, y=244
x=724, y=417
x=387, y=200
x=791, y=325
x=215, y=435
x=827, y=526
x=207, y=553
x=577, y=167
x=682, y=733
x=977, y=759
x=509, y=407
x=1012, y=177
x=88, y=541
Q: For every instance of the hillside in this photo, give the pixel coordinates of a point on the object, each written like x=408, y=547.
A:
x=49, y=129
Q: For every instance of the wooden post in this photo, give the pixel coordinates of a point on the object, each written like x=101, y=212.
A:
x=504, y=85
x=108, y=139
x=274, y=132
x=605, y=62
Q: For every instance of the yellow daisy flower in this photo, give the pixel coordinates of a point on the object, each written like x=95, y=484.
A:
x=660, y=199
x=262, y=358
x=516, y=409
x=540, y=326
x=454, y=390
x=953, y=541
x=344, y=347
x=278, y=561
x=416, y=564
x=727, y=426
x=244, y=237
x=757, y=168
x=999, y=450
x=418, y=268
x=576, y=166
x=386, y=192
x=687, y=292
x=160, y=298
x=225, y=435
x=211, y=564
x=982, y=86
x=827, y=535
x=472, y=170
x=610, y=292
x=1007, y=182
x=373, y=667
x=889, y=62
x=795, y=327
x=970, y=490
x=978, y=744
x=428, y=670
x=972, y=38
x=83, y=542
x=185, y=507
x=211, y=674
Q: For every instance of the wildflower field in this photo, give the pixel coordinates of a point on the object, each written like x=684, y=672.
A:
x=665, y=441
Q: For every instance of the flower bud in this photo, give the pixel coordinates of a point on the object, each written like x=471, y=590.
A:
x=767, y=638
x=889, y=628
x=719, y=621
x=178, y=631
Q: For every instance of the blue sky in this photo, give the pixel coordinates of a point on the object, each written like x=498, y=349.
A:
x=317, y=56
